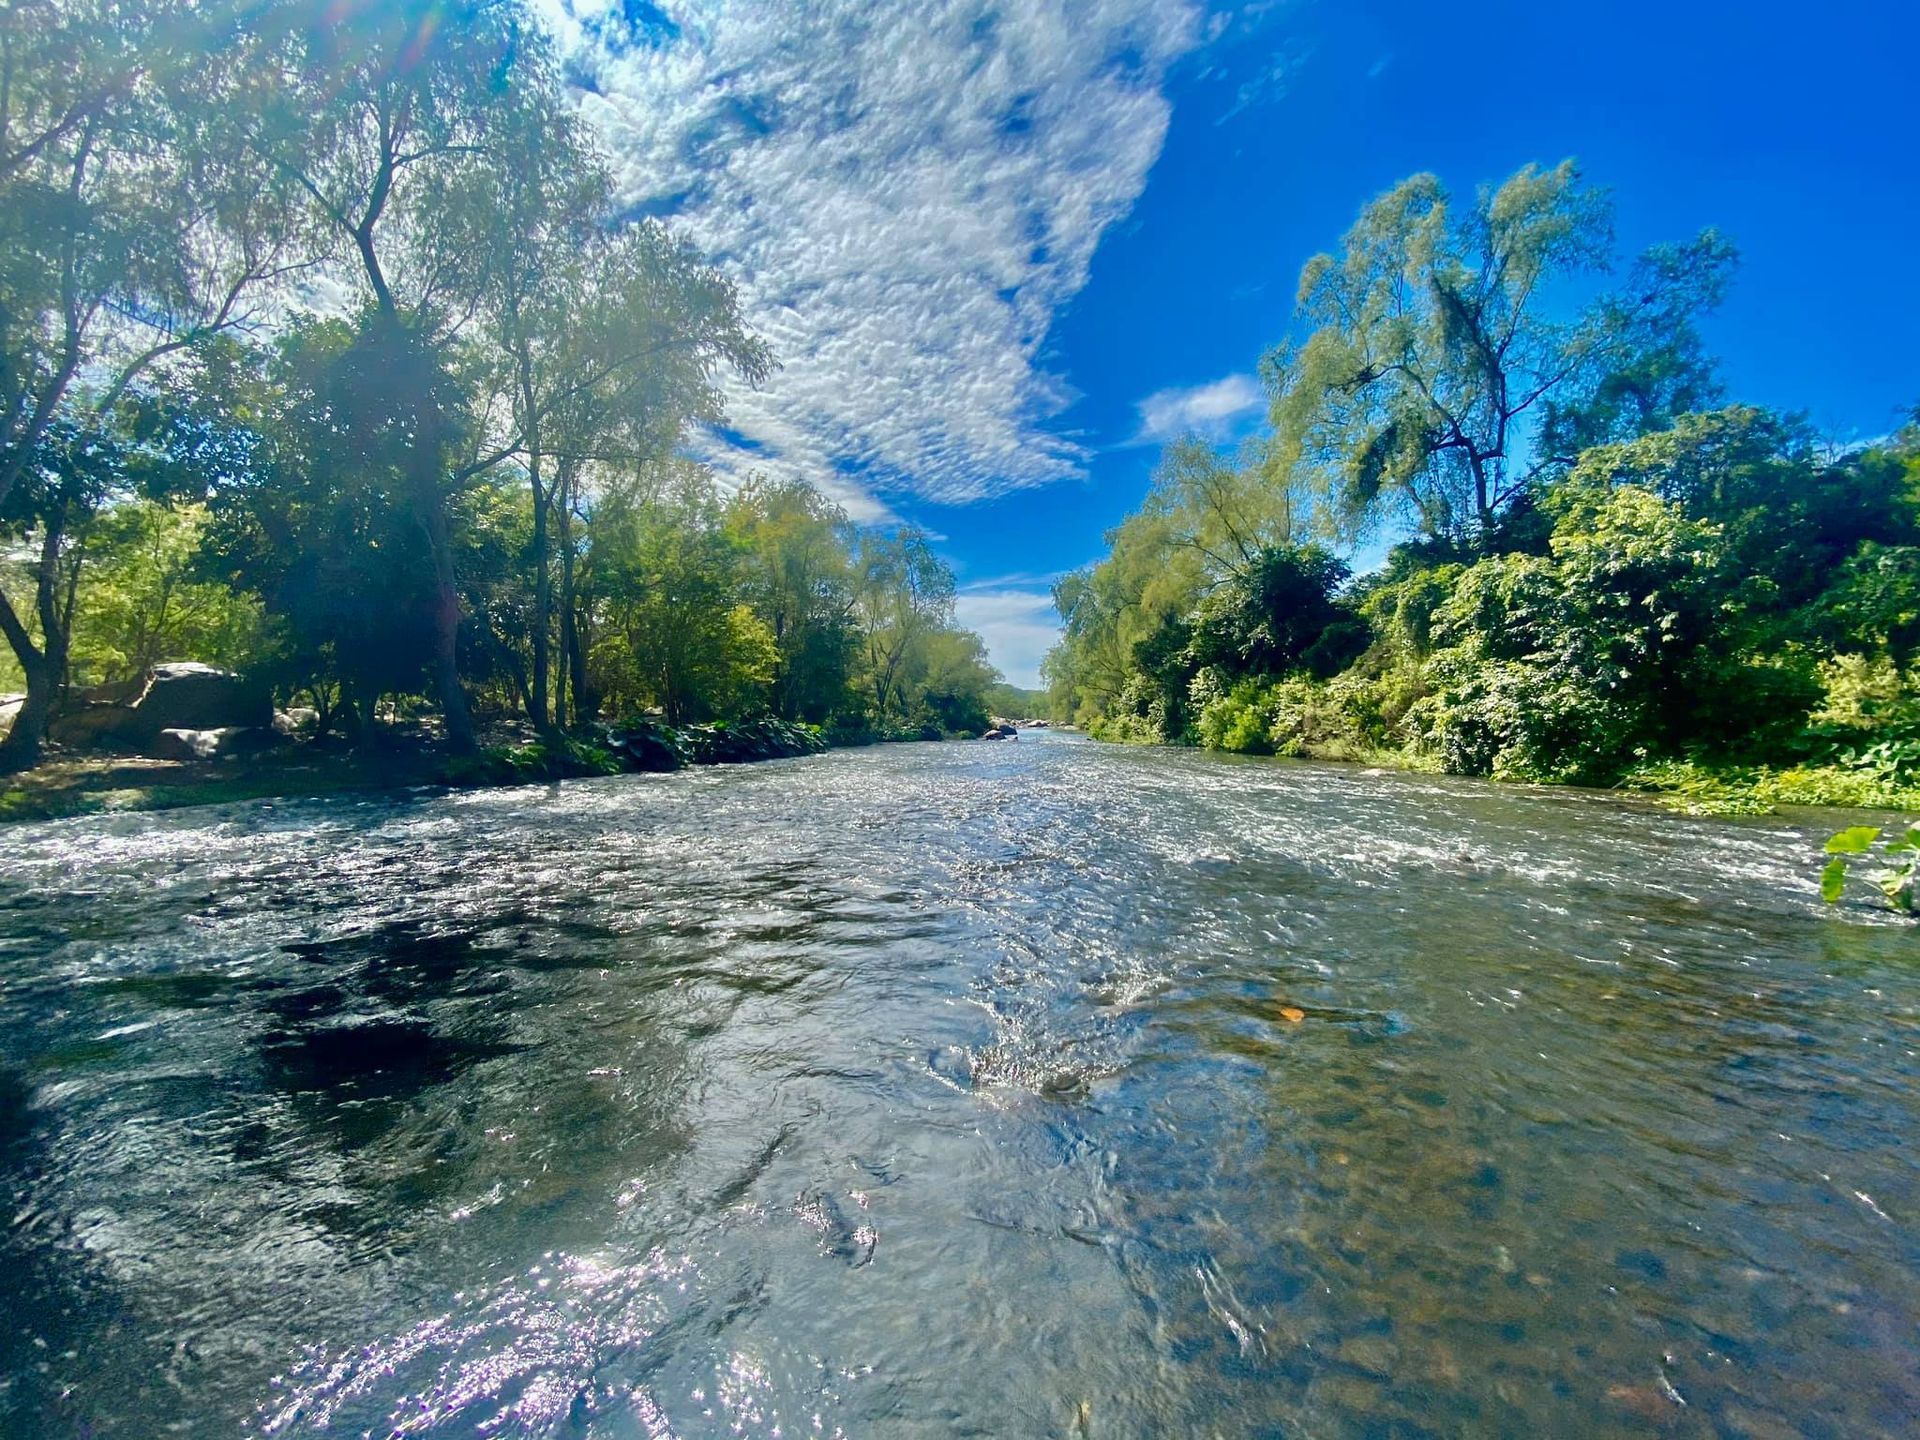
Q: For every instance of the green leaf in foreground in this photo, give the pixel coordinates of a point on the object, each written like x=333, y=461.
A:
x=1854, y=840
x=1833, y=880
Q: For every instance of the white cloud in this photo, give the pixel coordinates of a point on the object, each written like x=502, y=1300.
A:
x=1213, y=409
x=1016, y=618
x=907, y=195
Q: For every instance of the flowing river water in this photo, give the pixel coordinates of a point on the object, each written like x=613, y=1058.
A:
x=1038, y=1089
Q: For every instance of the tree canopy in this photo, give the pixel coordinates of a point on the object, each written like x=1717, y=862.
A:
x=326, y=349
x=1600, y=567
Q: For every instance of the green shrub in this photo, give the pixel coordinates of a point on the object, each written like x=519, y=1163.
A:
x=561, y=759
x=1238, y=720
x=741, y=741
x=1700, y=789
x=645, y=743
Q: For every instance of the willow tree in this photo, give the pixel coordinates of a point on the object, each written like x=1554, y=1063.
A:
x=401, y=123
x=903, y=594
x=135, y=223
x=1446, y=367
x=796, y=574
x=616, y=349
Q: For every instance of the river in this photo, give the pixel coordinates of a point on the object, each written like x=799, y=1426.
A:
x=1033, y=1089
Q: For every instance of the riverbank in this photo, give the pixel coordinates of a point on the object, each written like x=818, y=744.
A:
x=76, y=784
x=1686, y=786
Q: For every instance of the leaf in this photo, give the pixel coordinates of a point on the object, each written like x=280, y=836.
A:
x=1292, y=1014
x=1908, y=841
x=1854, y=840
x=1833, y=880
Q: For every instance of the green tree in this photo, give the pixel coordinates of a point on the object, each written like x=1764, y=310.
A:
x=903, y=595
x=135, y=222
x=86, y=463
x=312, y=514
x=141, y=600
x=665, y=574
x=795, y=573
x=1435, y=381
x=400, y=124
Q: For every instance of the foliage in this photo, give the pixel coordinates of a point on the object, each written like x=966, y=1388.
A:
x=462, y=482
x=1894, y=878
x=638, y=746
x=141, y=601
x=543, y=760
x=764, y=738
x=1433, y=360
x=796, y=572
x=1604, y=574
x=1014, y=702
x=1701, y=789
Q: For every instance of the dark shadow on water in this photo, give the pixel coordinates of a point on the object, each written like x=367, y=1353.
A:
x=387, y=1054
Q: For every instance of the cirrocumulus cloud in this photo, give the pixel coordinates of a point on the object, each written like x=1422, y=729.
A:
x=906, y=194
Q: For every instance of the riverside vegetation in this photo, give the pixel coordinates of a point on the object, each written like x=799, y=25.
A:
x=328, y=355
x=1604, y=572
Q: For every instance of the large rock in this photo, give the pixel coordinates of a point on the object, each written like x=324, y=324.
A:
x=99, y=727
x=298, y=721
x=190, y=696
x=119, y=692
x=216, y=744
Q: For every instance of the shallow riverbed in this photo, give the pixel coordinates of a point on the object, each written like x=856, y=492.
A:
x=1042, y=1088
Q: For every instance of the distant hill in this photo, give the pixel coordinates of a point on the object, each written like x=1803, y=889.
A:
x=1012, y=703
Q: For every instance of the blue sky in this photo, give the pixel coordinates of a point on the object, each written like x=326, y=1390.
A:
x=1003, y=249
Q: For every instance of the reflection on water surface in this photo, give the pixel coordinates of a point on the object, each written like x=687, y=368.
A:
x=1036, y=1089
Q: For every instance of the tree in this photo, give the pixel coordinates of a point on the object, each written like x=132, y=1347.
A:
x=75, y=468
x=399, y=123
x=1228, y=513
x=902, y=594
x=1435, y=385
x=676, y=635
x=84, y=463
x=955, y=681
x=615, y=353
x=140, y=599
x=134, y=220
x=135, y=224
x=312, y=513
x=794, y=545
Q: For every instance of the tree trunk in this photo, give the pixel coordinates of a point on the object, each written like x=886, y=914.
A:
x=584, y=706
x=446, y=656
x=45, y=664
x=432, y=511
x=22, y=748
x=542, y=601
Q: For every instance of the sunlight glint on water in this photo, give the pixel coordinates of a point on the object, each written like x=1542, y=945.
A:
x=1044, y=1088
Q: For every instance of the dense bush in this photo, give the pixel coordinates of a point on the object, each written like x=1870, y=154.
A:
x=561, y=759
x=740, y=741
